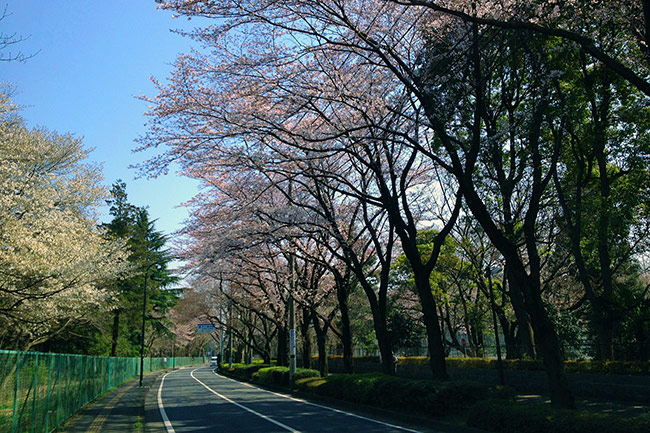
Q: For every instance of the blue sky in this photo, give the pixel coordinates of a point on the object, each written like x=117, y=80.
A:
x=93, y=58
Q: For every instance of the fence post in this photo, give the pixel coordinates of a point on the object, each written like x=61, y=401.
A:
x=47, y=396
x=59, y=388
x=66, y=402
x=35, y=388
x=77, y=388
x=14, y=420
x=110, y=373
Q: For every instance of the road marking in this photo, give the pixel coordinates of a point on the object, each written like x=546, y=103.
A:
x=279, y=424
x=161, y=407
x=321, y=406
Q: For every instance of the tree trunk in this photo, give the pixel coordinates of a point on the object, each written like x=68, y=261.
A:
x=544, y=331
x=283, y=347
x=116, y=332
x=550, y=349
x=306, y=338
x=430, y=315
x=342, y=295
x=509, y=330
x=549, y=344
x=525, y=333
x=603, y=324
x=378, y=309
x=385, y=349
x=266, y=355
x=321, y=340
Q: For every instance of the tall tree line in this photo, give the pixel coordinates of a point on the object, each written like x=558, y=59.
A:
x=360, y=123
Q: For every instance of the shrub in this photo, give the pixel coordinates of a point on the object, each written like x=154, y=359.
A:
x=607, y=367
x=279, y=376
x=511, y=364
x=418, y=396
x=507, y=417
x=413, y=360
x=243, y=371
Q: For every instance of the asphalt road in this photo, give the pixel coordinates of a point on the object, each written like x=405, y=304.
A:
x=198, y=400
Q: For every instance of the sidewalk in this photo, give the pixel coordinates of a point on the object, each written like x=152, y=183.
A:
x=119, y=410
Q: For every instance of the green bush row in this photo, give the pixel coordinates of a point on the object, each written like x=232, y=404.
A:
x=242, y=371
x=508, y=417
x=356, y=358
x=607, y=367
x=510, y=364
x=425, y=397
x=279, y=376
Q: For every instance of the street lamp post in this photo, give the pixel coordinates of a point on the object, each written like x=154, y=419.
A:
x=230, y=339
x=144, y=313
x=292, y=324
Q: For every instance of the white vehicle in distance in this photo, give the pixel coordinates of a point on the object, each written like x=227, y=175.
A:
x=214, y=361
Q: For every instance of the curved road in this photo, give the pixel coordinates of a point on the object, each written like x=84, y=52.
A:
x=198, y=400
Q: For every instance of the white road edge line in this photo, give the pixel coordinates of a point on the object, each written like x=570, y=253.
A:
x=321, y=406
x=279, y=424
x=161, y=408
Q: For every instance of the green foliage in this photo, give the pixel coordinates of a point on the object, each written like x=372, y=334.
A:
x=147, y=255
x=403, y=329
x=243, y=371
x=279, y=376
x=413, y=360
x=356, y=358
x=606, y=367
x=503, y=417
x=569, y=327
x=511, y=364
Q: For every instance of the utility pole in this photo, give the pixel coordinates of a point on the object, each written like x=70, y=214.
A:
x=144, y=317
x=220, y=334
x=292, y=312
x=292, y=326
x=230, y=338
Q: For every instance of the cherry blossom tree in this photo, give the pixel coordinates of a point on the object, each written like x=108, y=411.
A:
x=477, y=90
x=312, y=114
x=57, y=266
x=281, y=75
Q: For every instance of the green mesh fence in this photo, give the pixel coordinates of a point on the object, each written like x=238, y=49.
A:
x=39, y=391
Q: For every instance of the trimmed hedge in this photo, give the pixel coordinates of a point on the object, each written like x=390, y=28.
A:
x=607, y=367
x=356, y=358
x=243, y=371
x=504, y=417
x=425, y=397
x=280, y=375
x=510, y=364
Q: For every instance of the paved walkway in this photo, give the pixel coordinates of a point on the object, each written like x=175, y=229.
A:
x=119, y=410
